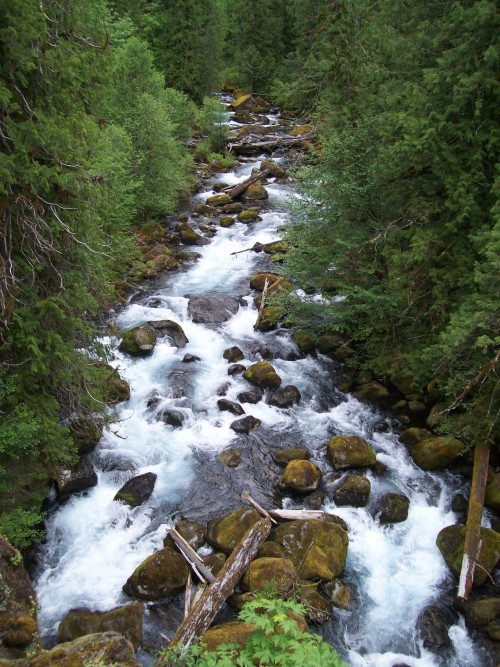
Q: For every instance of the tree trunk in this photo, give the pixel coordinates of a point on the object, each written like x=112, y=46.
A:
x=235, y=190
x=472, y=542
x=204, y=611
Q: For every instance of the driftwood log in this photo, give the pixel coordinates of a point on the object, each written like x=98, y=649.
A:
x=235, y=190
x=253, y=144
x=197, y=565
x=203, y=612
x=472, y=544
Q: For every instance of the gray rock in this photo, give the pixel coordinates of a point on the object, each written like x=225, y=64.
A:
x=137, y=490
x=246, y=424
x=171, y=330
x=230, y=406
x=212, y=310
x=285, y=397
x=251, y=396
x=79, y=478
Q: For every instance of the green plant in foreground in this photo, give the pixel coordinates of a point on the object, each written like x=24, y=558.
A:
x=276, y=640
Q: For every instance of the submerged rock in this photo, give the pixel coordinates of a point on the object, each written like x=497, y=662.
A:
x=350, y=451
x=139, y=341
x=137, y=490
x=161, y=575
x=126, y=620
x=230, y=457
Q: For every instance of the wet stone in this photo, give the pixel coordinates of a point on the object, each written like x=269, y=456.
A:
x=233, y=354
x=246, y=424
x=230, y=406
x=190, y=358
x=252, y=396
x=137, y=490
x=172, y=417
x=230, y=457
x=236, y=369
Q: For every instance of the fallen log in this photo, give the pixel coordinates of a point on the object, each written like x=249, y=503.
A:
x=294, y=515
x=204, y=611
x=197, y=565
x=472, y=544
x=257, y=247
x=259, y=314
x=235, y=190
x=248, y=498
x=253, y=144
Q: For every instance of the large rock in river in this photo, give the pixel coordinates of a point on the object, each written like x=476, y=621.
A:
x=18, y=609
x=391, y=507
x=263, y=375
x=161, y=575
x=318, y=549
x=255, y=191
x=82, y=476
x=235, y=632
x=245, y=424
x=171, y=330
x=278, y=574
x=301, y=476
x=137, y=490
x=450, y=542
x=126, y=620
x=284, y=456
x=139, y=341
x=350, y=451
x=285, y=397
x=225, y=533
x=213, y=309
x=354, y=490
x=436, y=453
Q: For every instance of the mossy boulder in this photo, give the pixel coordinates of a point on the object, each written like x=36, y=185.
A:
x=189, y=237
x=161, y=575
x=215, y=562
x=284, y=456
x=255, y=191
x=137, y=490
x=116, y=389
x=270, y=317
x=318, y=549
x=350, y=451
x=301, y=476
x=219, y=200
x=139, y=341
x=193, y=532
x=249, y=215
x=436, y=453
x=271, y=549
x=277, y=574
x=328, y=343
x=162, y=263
x=226, y=221
x=235, y=632
x=339, y=594
x=234, y=207
x=450, y=542
x=492, y=494
x=272, y=168
x=206, y=209
x=411, y=436
x=317, y=606
x=301, y=130
x=230, y=458
x=225, y=533
x=233, y=354
x=479, y=613
x=258, y=280
x=371, y=390
x=279, y=286
x=242, y=102
x=391, y=508
x=18, y=604
x=126, y=620
x=106, y=649
x=285, y=397
x=353, y=491
x=263, y=375
x=277, y=247
x=304, y=340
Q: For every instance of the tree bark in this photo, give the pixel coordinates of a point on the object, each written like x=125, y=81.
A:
x=204, y=611
x=235, y=190
x=472, y=544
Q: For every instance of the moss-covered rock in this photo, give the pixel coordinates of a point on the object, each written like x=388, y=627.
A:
x=205, y=209
x=271, y=549
x=492, y=494
x=86, y=433
x=270, y=317
x=137, y=490
x=18, y=604
x=226, y=221
x=411, y=436
x=285, y=397
x=230, y=457
x=391, y=508
x=277, y=247
x=339, y=594
x=215, y=562
x=275, y=574
x=193, y=532
x=328, y=343
x=233, y=354
x=219, y=200
x=263, y=375
x=249, y=215
x=225, y=533
x=284, y=456
x=304, y=340
x=371, y=390
x=317, y=606
x=301, y=130
x=480, y=612
x=189, y=237
x=353, y=490
x=235, y=632
x=436, y=453
x=318, y=549
x=450, y=542
x=139, y=341
x=279, y=286
x=161, y=575
x=234, y=207
x=301, y=476
x=272, y=168
x=258, y=280
x=255, y=191
x=350, y=451
x=126, y=620
x=242, y=102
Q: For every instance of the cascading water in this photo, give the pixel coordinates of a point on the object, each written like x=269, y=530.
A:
x=94, y=543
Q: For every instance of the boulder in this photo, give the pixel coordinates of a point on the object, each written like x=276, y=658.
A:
x=270, y=317
x=328, y=343
x=105, y=649
x=215, y=562
x=18, y=609
x=171, y=330
x=189, y=237
x=139, y=341
x=391, y=508
x=258, y=280
x=234, y=207
x=262, y=375
x=212, y=309
x=353, y=490
x=190, y=359
x=284, y=456
x=243, y=102
x=234, y=632
x=86, y=433
x=301, y=476
x=115, y=390
x=481, y=612
x=249, y=215
x=161, y=263
x=272, y=168
x=371, y=390
x=277, y=287
x=161, y=575
x=137, y=490
x=317, y=606
x=226, y=221
x=233, y=354
x=411, y=436
x=230, y=406
x=225, y=533
x=318, y=549
x=436, y=453
x=450, y=542
x=251, y=396
x=339, y=594
x=171, y=417
x=492, y=493
x=271, y=549
x=82, y=476
x=193, y=532
x=236, y=369
x=275, y=247
x=350, y=451
x=219, y=200
x=276, y=574
x=205, y=209
x=285, y=397
x=255, y=191
x=304, y=340
x=125, y=620
x=230, y=457
x=432, y=626
x=246, y=424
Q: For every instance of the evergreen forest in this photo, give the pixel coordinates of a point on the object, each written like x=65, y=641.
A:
x=398, y=228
